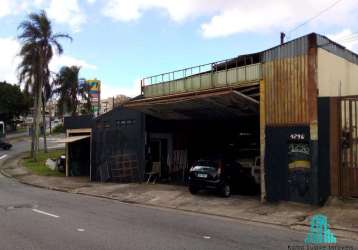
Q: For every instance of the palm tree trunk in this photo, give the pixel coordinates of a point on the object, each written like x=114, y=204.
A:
x=44, y=122
x=34, y=128
x=33, y=133
x=37, y=120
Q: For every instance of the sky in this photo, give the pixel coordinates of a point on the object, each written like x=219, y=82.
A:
x=121, y=41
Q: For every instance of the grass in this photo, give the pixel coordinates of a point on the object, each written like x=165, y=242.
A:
x=40, y=167
x=21, y=130
x=58, y=129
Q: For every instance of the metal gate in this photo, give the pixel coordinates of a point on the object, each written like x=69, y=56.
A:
x=349, y=145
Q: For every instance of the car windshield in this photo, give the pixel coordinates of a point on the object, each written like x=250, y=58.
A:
x=205, y=165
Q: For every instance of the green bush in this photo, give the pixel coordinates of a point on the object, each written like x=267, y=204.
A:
x=58, y=129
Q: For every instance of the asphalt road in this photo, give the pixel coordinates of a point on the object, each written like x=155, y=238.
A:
x=34, y=218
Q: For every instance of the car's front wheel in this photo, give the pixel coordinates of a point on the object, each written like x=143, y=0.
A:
x=226, y=190
x=193, y=190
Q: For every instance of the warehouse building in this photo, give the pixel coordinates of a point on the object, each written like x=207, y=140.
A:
x=294, y=106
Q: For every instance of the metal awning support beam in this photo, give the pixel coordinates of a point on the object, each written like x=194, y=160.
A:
x=246, y=97
x=227, y=103
x=232, y=111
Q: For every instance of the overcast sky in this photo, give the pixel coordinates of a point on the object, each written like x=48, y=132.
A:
x=121, y=41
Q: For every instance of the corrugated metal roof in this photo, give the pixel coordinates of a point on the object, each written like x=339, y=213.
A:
x=292, y=48
x=299, y=47
x=337, y=49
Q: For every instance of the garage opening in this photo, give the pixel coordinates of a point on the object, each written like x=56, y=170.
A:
x=78, y=152
x=219, y=126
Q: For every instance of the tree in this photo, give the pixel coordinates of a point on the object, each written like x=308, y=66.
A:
x=87, y=105
x=46, y=95
x=13, y=102
x=38, y=43
x=70, y=91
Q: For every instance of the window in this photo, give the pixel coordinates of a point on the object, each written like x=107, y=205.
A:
x=124, y=123
x=106, y=124
x=130, y=122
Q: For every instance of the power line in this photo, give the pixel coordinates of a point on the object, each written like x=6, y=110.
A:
x=351, y=37
x=315, y=16
x=346, y=39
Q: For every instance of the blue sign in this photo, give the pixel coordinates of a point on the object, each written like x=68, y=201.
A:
x=319, y=231
x=81, y=82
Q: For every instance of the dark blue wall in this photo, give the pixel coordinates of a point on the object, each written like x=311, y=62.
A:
x=281, y=184
x=76, y=122
x=324, y=148
x=118, y=146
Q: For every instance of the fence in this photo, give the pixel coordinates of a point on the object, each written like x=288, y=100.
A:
x=214, y=75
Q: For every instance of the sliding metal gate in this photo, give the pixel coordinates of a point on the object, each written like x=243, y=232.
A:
x=349, y=145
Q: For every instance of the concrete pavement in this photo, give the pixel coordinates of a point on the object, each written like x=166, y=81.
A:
x=33, y=218
x=16, y=134
x=342, y=216
x=21, y=144
x=169, y=196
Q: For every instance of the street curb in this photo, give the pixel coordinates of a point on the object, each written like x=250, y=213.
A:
x=18, y=138
x=135, y=203
x=288, y=226
x=6, y=174
x=6, y=161
x=138, y=203
x=145, y=204
x=177, y=208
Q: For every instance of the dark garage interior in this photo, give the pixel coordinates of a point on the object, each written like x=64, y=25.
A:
x=174, y=146
x=179, y=133
x=79, y=157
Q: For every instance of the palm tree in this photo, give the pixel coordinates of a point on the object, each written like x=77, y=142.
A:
x=28, y=72
x=46, y=95
x=38, y=42
x=70, y=91
x=85, y=95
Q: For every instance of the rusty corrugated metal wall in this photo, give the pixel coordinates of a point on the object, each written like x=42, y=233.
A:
x=289, y=75
x=286, y=82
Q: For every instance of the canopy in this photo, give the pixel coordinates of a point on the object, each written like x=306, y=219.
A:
x=227, y=104
x=73, y=138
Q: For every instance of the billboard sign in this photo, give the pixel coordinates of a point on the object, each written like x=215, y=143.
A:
x=95, y=94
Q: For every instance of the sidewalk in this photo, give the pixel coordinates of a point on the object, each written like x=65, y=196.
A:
x=17, y=136
x=20, y=136
x=342, y=216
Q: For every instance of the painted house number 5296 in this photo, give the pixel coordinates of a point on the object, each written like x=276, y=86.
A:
x=297, y=136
